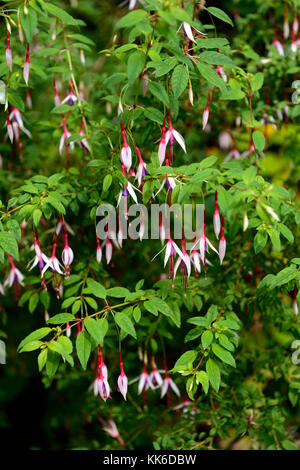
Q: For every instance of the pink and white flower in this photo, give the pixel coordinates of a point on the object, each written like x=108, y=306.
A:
x=222, y=244
x=162, y=145
x=26, y=68
x=168, y=385
x=8, y=53
x=126, y=154
x=141, y=173
x=216, y=217
x=53, y=262
x=173, y=134
x=122, y=380
x=206, y=113
x=15, y=276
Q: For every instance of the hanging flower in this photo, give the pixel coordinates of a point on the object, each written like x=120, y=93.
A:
x=8, y=53
x=65, y=135
x=173, y=134
x=126, y=154
x=216, y=218
x=71, y=97
x=9, y=128
x=155, y=376
x=295, y=305
x=111, y=429
x=98, y=250
x=56, y=95
x=26, y=68
x=162, y=145
x=222, y=244
x=67, y=254
x=53, y=262
x=15, y=276
x=141, y=168
x=84, y=143
x=206, y=113
x=185, y=265
x=169, y=384
x=122, y=380
x=16, y=117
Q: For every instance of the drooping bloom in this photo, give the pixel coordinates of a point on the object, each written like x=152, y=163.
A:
x=17, y=122
x=62, y=224
x=191, y=95
x=108, y=249
x=169, y=384
x=126, y=154
x=295, y=24
x=83, y=143
x=195, y=258
x=206, y=113
x=173, y=134
x=26, y=68
x=185, y=265
x=122, y=380
x=15, y=276
x=204, y=243
x=129, y=189
x=141, y=173
x=8, y=53
x=144, y=380
x=67, y=254
x=171, y=248
x=216, y=217
x=276, y=43
x=65, y=135
x=162, y=230
x=111, y=429
x=98, y=250
x=162, y=144
x=9, y=128
x=101, y=384
x=169, y=181
x=56, y=95
x=222, y=244
x=53, y=262
x=295, y=305
x=40, y=258
x=155, y=376
x=28, y=99
x=286, y=26
x=71, y=97
x=221, y=73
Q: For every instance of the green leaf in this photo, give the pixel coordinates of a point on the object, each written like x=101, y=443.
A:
x=83, y=348
x=218, y=13
x=124, y=322
x=42, y=359
x=260, y=241
x=159, y=92
x=31, y=346
x=119, y=292
x=37, y=334
x=259, y=140
x=202, y=378
x=186, y=359
x=28, y=22
x=215, y=58
x=52, y=363
x=65, y=344
x=95, y=288
x=224, y=341
x=106, y=183
x=9, y=244
x=285, y=231
x=256, y=82
x=213, y=372
x=211, y=76
x=154, y=114
x=223, y=354
x=34, y=300
x=36, y=216
x=97, y=328
x=179, y=80
x=135, y=65
x=206, y=339
x=60, y=14
x=131, y=19
x=61, y=318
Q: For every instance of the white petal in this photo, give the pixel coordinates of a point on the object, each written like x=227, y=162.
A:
x=179, y=139
x=188, y=31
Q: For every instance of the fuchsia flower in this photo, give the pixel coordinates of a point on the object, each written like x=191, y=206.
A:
x=15, y=276
x=141, y=173
x=111, y=429
x=101, y=384
x=155, y=376
x=1, y=289
x=67, y=254
x=169, y=384
x=206, y=113
x=204, y=243
x=295, y=24
x=216, y=218
x=9, y=128
x=191, y=95
x=26, y=68
x=128, y=189
x=221, y=73
x=53, y=262
x=108, y=249
x=8, y=53
x=62, y=224
x=122, y=380
x=144, y=380
x=195, y=258
x=56, y=95
x=98, y=251
x=65, y=135
x=162, y=145
x=162, y=231
x=84, y=143
x=286, y=26
x=173, y=134
x=40, y=258
x=169, y=181
x=222, y=244
x=126, y=154
x=276, y=43
x=171, y=248
x=295, y=306
x=17, y=123
x=185, y=265
x=71, y=97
